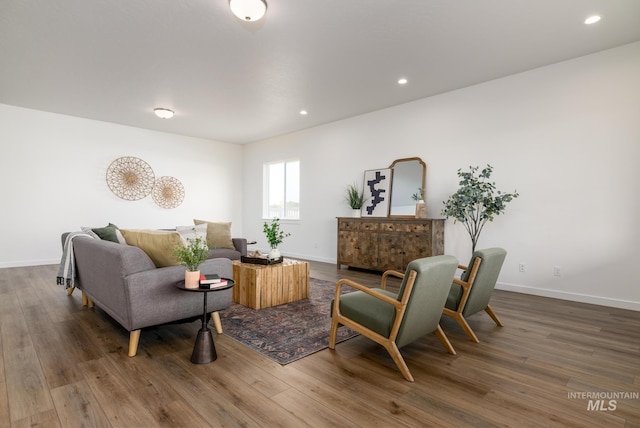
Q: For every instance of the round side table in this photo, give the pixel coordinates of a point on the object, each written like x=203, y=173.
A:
x=204, y=350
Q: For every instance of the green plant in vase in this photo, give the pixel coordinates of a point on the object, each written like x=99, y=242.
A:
x=275, y=236
x=476, y=201
x=421, y=208
x=355, y=198
x=192, y=255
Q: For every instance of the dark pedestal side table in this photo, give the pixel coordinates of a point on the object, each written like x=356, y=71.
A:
x=204, y=351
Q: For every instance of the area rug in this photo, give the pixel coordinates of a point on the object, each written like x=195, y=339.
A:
x=286, y=333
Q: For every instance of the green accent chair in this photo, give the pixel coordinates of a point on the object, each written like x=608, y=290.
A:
x=471, y=293
x=395, y=320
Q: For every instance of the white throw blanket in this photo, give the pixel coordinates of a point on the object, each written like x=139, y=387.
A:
x=67, y=269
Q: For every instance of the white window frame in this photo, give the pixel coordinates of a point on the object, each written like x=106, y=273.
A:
x=286, y=213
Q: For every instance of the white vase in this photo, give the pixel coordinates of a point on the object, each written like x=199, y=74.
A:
x=192, y=279
x=355, y=212
x=421, y=209
x=274, y=254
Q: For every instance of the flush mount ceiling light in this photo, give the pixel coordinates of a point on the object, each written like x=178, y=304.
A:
x=592, y=19
x=163, y=113
x=248, y=10
x=402, y=81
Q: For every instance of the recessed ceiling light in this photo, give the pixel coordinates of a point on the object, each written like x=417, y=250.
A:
x=402, y=81
x=303, y=112
x=163, y=113
x=592, y=19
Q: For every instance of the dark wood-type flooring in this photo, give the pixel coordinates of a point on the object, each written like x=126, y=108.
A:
x=64, y=365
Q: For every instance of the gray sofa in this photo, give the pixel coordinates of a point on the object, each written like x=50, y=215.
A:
x=123, y=281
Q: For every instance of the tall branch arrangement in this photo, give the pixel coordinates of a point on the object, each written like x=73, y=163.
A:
x=476, y=201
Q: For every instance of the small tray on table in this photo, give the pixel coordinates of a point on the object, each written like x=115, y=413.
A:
x=261, y=260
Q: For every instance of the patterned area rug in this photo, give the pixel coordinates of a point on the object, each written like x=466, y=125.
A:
x=288, y=332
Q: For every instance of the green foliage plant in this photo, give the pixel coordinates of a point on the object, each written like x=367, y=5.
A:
x=476, y=201
x=274, y=235
x=419, y=195
x=193, y=253
x=355, y=196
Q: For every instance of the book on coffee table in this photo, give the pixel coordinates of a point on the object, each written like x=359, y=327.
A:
x=221, y=283
x=210, y=279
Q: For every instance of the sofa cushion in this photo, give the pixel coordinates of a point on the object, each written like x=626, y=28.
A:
x=158, y=244
x=218, y=234
x=107, y=233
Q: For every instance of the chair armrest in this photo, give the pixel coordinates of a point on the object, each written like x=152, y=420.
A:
x=463, y=267
x=461, y=283
x=364, y=289
x=388, y=273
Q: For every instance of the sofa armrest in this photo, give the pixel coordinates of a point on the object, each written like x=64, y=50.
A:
x=152, y=297
x=241, y=245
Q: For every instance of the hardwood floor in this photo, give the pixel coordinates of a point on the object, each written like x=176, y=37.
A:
x=63, y=365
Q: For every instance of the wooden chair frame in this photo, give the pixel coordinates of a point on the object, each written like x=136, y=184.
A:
x=400, y=306
x=466, y=289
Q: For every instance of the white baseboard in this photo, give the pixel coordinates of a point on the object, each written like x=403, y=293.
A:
x=573, y=297
x=25, y=263
x=308, y=257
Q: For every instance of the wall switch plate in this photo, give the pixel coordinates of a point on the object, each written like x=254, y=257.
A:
x=522, y=267
x=556, y=271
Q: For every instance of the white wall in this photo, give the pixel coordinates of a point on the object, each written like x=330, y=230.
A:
x=52, y=179
x=566, y=137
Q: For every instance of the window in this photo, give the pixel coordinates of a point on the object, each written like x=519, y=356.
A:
x=282, y=190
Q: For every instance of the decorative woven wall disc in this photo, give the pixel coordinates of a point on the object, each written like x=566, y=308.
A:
x=168, y=192
x=130, y=178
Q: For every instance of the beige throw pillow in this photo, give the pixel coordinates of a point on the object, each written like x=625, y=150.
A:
x=158, y=244
x=218, y=234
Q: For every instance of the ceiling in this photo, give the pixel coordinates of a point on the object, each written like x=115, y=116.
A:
x=238, y=82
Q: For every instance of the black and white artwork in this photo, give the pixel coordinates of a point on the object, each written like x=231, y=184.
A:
x=377, y=183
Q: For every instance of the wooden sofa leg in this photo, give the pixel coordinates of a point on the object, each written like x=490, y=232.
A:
x=70, y=290
x=134, y=338
x=215, y=316
x=86, y=301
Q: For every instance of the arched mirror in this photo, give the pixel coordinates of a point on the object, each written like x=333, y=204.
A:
x=409, y=175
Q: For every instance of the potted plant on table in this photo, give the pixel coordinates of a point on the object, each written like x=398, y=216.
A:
x=421, y=208
x=355, y=199
x=475, y=202
x=192, y=255
x=275, y=236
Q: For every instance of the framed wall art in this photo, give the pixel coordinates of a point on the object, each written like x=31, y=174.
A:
x=377, y=185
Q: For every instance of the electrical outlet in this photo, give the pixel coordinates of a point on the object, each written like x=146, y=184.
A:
x=522, y=267
x=556, y=271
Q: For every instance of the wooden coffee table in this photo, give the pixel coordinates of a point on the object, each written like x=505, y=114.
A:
x=261, y=286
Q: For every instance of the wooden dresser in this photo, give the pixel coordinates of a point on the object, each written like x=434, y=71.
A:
x=388, y=243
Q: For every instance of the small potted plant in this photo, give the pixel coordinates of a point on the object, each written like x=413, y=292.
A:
x=355, y=199
x=192, y=255
x=275, y=236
